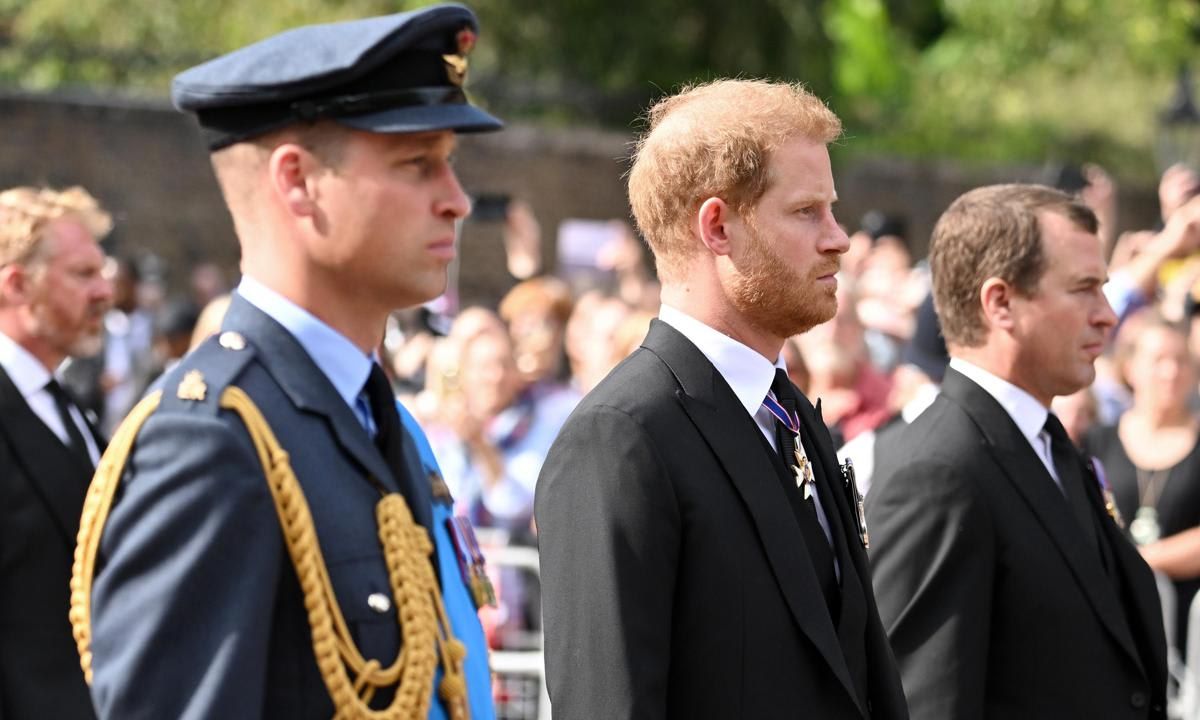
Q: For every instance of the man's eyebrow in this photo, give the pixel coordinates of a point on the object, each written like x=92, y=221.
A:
x=1089, y=279
x=811, y=197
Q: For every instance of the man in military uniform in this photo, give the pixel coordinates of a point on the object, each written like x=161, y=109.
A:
x=332, y=146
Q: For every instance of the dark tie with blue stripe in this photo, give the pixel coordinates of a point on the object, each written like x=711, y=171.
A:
x=805, y=511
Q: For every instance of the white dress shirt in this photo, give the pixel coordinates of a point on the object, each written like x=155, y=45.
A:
x=748, y=374
x=1029, y=414
x=30, y=376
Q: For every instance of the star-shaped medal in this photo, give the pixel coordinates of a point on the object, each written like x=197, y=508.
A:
x=803, y=471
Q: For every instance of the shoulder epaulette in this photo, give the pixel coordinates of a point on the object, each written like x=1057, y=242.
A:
x=198, y=381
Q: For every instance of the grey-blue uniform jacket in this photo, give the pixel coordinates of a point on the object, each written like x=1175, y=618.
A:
x=196, y=609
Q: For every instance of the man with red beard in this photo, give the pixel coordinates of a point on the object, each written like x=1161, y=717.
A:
x=700, y=552
x=53, y=296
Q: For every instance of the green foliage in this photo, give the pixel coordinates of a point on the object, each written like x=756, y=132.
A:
x=141, y=45
x=975, y=79
x=1034, y=80
x=603, y=59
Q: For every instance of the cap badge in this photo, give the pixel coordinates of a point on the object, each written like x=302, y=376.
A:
x=465, y=39
x=456, y=64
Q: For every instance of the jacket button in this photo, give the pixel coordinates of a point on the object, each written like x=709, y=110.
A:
x=1138, y=700
x=380, y=603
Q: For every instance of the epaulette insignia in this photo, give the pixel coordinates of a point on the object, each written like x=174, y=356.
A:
x=231, y=340
x=192, y=386
x=440, y=490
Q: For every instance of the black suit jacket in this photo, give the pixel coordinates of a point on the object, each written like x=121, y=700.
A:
x=675, y=579
x=995, y=605
x=42, y=486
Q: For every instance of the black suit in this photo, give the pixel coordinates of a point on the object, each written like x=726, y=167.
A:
x=995, y=603
x=675, y=579
x=42, y=486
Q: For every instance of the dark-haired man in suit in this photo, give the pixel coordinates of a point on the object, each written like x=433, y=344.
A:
x=1006, y=589
x=700, y=556
x=53, y=296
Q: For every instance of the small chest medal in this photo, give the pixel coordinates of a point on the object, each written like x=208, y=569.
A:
x=471, y=562
x=803, y=471
x=1110, y=503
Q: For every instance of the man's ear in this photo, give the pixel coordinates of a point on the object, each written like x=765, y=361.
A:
x=713, y=219
x=14, y=284
x=996, y=298
x=293, y=172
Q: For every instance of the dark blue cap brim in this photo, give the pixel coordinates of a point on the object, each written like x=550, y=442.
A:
x=424, y=118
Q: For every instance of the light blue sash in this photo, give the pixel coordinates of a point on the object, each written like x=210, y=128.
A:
x=455, y=596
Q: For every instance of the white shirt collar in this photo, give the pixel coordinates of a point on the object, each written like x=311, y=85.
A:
x=1029, y=414
x=27, y=373
x=346, y=366
x=748, y=373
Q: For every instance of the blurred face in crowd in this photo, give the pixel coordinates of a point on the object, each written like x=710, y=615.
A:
x=66, y=293
x=1160, y=370
x=538, y=340
x=125, y=288
x=489, y=372
x=390, y=202
x=784, y=273
x=1061, y=327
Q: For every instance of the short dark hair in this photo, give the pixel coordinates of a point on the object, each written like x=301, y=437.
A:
x=992, y=232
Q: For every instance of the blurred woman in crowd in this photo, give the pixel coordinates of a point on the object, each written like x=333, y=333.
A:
x=491, y=432
x=536, y=311
x=1151, y=458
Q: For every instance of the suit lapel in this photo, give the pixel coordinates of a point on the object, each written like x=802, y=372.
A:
x=310, y=390
x=1025, y=471
x=56, y=476
x=723, y=423
x=1145, y=607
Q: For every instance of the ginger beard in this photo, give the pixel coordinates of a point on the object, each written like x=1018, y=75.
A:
x=72, y=336
x=776, y=297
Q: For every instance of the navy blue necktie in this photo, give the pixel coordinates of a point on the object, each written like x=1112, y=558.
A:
x=1067, y=465
x=389, y=434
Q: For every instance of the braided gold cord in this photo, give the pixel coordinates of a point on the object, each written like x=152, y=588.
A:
x=96, y=505
x=407, y=552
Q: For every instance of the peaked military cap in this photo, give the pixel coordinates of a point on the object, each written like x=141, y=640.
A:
x=399, y=73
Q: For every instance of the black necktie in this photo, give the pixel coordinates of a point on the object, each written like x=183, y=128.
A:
x=805, y=510
x=1067, y=465
x=389, y=437
x=75, y=441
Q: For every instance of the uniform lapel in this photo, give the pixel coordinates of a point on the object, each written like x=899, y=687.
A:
x=56, y=476
x=730, y=432
x=311, y=391
x=1021, y=466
